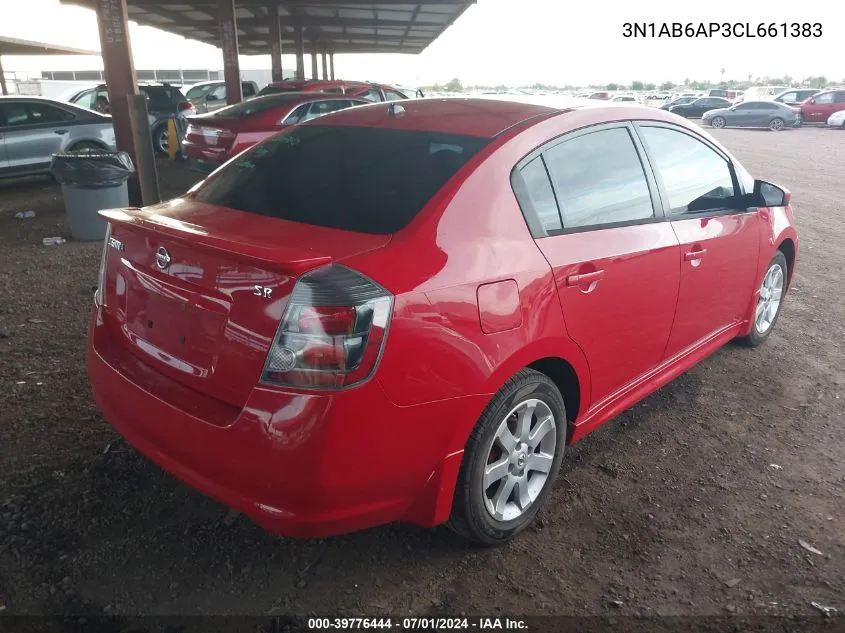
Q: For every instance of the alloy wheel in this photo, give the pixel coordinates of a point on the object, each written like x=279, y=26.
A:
x=519, y=460
x=718, y=122
x=771, y=293
x=776, y=125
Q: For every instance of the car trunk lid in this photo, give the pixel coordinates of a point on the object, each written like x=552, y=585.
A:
x=197, y=291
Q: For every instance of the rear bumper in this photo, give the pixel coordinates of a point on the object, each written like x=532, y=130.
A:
x=306, y=465
x=211, y=155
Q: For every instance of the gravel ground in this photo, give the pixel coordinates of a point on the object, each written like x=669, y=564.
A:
x=694, y=502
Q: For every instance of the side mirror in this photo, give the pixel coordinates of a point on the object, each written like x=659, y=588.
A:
x=732, y=108
x=768, y=195
x=812, y=100
x=212, y=98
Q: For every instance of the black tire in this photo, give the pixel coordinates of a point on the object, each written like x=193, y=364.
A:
x=777, y=124
x=755, y=337
x=82, y=145
x=159, y=132
x=470, y=518
x=718, y=122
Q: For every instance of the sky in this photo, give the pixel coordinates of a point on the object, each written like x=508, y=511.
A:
x=511, y=42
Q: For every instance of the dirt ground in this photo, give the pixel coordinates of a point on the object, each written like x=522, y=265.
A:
x=695, y=502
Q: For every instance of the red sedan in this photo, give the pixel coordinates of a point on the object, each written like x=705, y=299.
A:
x=212, y=139
x=365, y=90
x=408, y=311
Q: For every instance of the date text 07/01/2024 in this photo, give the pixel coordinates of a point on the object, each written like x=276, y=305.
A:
x=722, y=29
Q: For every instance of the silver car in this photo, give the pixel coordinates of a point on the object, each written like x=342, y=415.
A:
x=771, y=114
x=32, y=129
x=208, y=96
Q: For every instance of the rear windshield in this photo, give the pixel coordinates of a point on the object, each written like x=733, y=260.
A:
x=197, y=92
x=274, y=90
x=369, y=180
x=256, y=106
x=162, y=95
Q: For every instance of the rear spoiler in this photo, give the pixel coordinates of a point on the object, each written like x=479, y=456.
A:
x=266, y=251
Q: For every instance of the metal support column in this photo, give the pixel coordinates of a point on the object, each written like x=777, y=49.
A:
x=3, y=87
x=314, y=73
x=275, y=42
x=331, y=64
x=229, y=44
x=300, y=51
x=325, y=64
x=119, y=75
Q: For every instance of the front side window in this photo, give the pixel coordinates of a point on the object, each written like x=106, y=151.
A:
x=392, y=95
x=599, y=179
x=825, y=98
x=369, y=180
x=247, y=90
x=319, y=108
x=748, y=105
x=372, y=95
x=86, y=99
x=840, y=97
x=789, y=97
x=199, y=92
x=218, y=93
x=542, y=197
x=694, y=176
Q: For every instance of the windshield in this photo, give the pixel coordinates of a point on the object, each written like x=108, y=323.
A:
x=198, y=92
x=256, y=106
x=370, y=180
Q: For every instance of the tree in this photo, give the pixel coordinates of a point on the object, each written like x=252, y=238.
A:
x=722, y=72
x=454, y=86
x=637, y=85
x=612, y=87
x=651, y=86
x=667, y=85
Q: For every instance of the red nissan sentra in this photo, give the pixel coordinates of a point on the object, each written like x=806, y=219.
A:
x=212, y=139
x=408, y=311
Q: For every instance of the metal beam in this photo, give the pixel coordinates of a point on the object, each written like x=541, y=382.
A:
x=314, y=73
x=229, y=44
x=287, y=3
x=299, y=45
x=325, y=65
x=275, y=42
x=312, y=21
x=331, y=64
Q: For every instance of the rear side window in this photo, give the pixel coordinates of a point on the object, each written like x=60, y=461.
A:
x=694, y=176
x=162, y=95
x=274, y=90
x=538, y=188
x=369, y=180
x=599, y=179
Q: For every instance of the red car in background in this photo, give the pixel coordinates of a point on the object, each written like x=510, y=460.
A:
x=365, y=90
x=212, y=139
x=818, y=108
x=408, y=313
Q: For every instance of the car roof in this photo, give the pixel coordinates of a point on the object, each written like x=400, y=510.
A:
x=450, y=115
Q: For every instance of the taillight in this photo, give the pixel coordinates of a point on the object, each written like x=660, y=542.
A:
x=186, y=107
x=101, y=275
x=332, y=332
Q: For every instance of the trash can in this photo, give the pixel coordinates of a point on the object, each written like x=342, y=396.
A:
x=91, y=180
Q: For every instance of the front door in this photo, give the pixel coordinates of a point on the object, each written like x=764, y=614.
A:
x=822, y=106
x=616, y=264
x=34, y=132
x=719, y=240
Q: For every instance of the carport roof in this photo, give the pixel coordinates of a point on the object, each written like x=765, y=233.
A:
x=14, y=46
x=340, y=26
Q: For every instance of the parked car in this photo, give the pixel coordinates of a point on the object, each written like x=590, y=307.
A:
x=208, y=96
x=795, y=96
x=837, y=119
x=32, y=129
x=699, y=106
x=730, y=95
x=601, y=96
x=163, y=102
x=763, y=93
x=213, y=138
x=624, y=99
x=817, y=109
x=374, y=317
x=771, y=114
x=677, y=101
x=365, y=90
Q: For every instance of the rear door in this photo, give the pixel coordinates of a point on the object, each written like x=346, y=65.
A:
x=34, y=132
x=615, y=262
x=719, y=239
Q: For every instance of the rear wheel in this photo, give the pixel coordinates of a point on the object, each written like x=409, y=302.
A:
x=83, y=145
x=718, y=122
x=511, y=460
x=160, y=139
x=767, y=311
x=776, y=124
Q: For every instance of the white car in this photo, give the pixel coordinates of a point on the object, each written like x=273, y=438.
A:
x=837, y=119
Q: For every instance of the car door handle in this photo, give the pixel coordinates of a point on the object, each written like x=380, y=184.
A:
x=59, y=131
x=584, y=278
x=693, y=255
